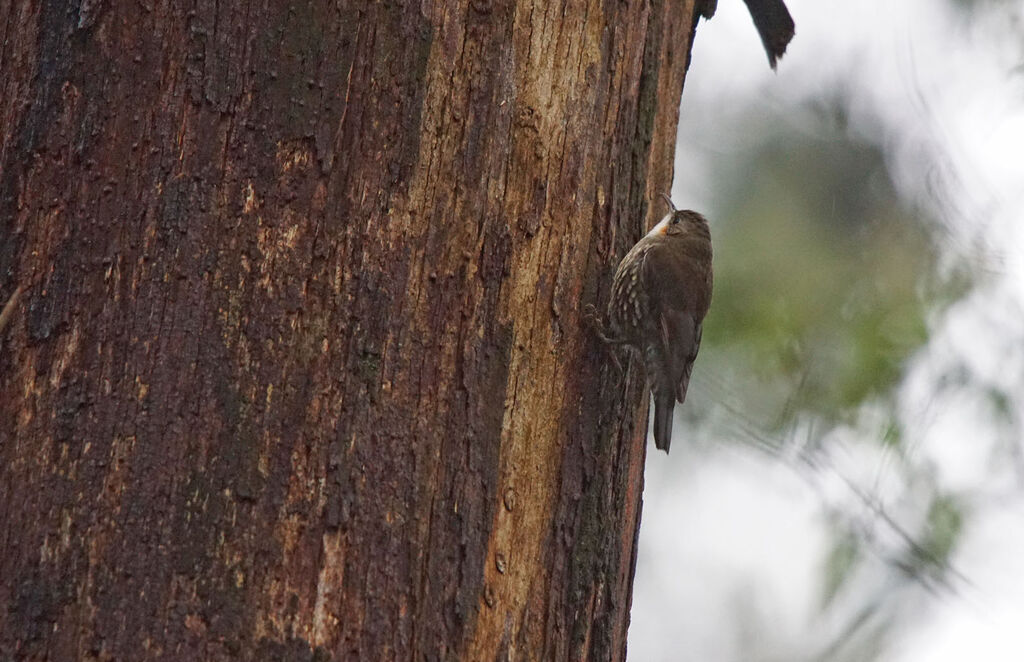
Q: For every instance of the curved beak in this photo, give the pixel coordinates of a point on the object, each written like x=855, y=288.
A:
x=669, y=201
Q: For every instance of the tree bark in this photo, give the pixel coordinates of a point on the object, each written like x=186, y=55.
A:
x=298, y=370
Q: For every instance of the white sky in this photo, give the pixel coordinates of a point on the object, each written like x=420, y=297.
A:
x=732, y=543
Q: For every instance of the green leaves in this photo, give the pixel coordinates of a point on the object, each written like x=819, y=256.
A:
x=823, y=294
x=839, y=565
x=944, y=524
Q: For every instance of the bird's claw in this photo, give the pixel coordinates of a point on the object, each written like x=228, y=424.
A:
x=594, y=321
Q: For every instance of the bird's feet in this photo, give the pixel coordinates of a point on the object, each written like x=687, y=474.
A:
x=591, y=318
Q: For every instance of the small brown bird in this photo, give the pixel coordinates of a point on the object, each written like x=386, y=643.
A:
x=660, y=294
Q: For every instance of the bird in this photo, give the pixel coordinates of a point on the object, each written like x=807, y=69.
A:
x=772, y=20
x=660, y=294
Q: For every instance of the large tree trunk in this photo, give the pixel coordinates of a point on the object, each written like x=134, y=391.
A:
x=299, y=370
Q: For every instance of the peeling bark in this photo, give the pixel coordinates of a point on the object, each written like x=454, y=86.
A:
x=298, y=370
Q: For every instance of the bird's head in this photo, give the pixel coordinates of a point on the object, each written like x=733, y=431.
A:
x=679, y=221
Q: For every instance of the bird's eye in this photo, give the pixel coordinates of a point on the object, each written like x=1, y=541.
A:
x=675, y=220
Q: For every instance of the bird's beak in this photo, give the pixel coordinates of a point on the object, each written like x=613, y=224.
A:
x=669, y=201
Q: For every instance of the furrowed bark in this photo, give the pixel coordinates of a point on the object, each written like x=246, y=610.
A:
x=298, y=369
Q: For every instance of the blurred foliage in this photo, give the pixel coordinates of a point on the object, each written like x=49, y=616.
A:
x=830, y=279
x=827, y=283
x=944, y=524
x=841, y=561
x=980, y=6
x=1001, y=19
x=825, y=279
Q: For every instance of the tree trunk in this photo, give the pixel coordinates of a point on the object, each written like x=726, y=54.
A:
x=298, y=371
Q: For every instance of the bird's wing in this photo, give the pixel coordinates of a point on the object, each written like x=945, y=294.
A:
x=680, y=340
x=675, y=279
x=673, y=284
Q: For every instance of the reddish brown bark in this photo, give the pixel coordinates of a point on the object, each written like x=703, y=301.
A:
x=298, y=371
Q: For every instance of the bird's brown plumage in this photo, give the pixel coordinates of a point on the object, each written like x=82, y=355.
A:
x=660, y=295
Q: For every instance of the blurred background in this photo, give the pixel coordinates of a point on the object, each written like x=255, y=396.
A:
x=847, y=478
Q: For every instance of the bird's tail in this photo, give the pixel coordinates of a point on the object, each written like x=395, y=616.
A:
x=664, y=404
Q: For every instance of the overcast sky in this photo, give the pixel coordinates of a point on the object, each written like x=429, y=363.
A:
x=732, y=542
